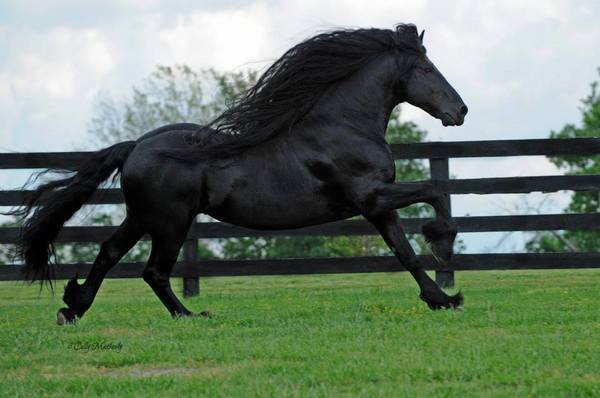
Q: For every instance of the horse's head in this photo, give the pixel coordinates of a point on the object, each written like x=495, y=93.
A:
x=425, y=87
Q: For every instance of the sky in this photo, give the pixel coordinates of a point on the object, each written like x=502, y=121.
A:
x=520, y=66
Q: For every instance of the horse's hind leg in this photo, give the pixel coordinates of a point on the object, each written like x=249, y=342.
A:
x=78, y=297
x=165, y=249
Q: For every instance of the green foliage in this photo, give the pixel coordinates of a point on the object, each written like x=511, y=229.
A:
x=7, y=252
x=581, y=202
x=312, y=246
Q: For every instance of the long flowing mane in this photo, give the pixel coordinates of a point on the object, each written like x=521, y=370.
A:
x=290, y=87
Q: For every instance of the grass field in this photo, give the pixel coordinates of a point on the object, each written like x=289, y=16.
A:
x=520, y=334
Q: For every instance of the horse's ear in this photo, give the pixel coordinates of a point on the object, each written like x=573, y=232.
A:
x=421, y=36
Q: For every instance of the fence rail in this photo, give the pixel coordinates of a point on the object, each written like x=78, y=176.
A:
x=438, y=154
x=460, y=262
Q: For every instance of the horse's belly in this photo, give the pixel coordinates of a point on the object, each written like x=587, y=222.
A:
x=280, y=210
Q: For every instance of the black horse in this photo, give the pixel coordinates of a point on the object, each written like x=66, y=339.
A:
x=306, y=145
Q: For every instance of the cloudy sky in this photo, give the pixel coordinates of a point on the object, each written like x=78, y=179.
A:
x=521, y=67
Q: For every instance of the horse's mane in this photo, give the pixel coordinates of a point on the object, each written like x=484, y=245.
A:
x=290, y=87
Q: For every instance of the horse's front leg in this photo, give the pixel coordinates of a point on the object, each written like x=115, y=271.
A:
x=388, y=225
x=439, y=233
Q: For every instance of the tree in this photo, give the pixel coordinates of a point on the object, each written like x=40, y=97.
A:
x=171, y=94
x=581, y=202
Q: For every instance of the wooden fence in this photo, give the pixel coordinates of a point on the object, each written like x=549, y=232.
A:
x=438, y=154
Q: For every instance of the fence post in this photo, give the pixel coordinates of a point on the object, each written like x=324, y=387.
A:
x=191, y=285
x=439, y=168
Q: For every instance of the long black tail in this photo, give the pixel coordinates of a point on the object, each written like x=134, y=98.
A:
x=55, y=202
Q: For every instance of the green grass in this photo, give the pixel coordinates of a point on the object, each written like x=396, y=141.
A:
x=520, y=334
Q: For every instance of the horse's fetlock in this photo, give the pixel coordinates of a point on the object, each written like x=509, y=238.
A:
x=76, y=297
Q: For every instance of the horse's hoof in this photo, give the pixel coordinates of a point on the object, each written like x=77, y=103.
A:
x=66, y=316
x=434, y=302
x=456, y=302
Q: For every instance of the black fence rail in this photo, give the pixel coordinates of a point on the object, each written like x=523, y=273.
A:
x=438, y=154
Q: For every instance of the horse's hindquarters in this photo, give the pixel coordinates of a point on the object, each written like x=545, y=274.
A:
x=158, y=189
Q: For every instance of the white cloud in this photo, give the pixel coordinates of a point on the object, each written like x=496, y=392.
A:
x=223, y=39
x=49, y=78
x=58, y=63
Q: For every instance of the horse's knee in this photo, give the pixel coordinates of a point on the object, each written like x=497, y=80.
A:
x=439, y=229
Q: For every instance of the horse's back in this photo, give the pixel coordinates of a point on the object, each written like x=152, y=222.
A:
x=169, y=128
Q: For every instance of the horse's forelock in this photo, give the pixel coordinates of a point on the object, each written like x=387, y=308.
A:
x=407, y=37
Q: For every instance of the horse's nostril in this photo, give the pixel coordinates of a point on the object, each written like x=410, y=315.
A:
x=464, y=110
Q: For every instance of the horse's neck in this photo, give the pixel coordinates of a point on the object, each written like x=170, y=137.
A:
x=357, y=110
x=362, y=103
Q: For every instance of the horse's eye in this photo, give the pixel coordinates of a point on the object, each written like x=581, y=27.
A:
x=428, y=70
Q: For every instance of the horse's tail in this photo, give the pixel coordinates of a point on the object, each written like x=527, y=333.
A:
x=56, y=201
